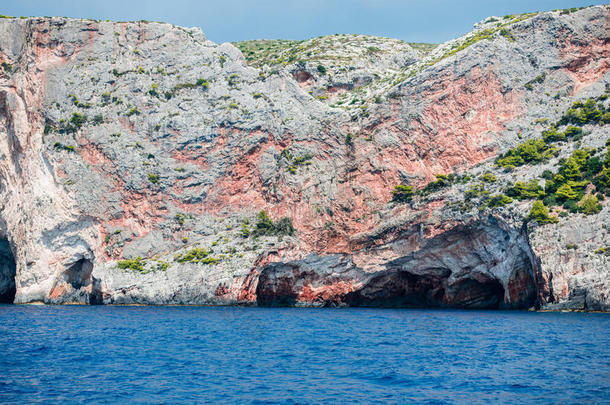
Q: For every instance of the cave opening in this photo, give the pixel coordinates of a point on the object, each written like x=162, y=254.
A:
x=79, y=276
x=8, y=270
x=406, y=290
x=79, y=273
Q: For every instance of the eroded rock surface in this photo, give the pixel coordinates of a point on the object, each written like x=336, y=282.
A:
x=134, y=155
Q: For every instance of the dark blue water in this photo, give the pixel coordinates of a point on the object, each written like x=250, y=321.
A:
x=254, y=355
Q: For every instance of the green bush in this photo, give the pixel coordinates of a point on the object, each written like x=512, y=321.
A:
x=489, y=177
x=154, y=90
x=136, y=264
x=284, y=226
x=602, y=182
x=153, y=178
x=589, y=205
x=265, y=226
x=133, y=111
x=197, y=255
x=475, y=191
x=402, y=193
x=232, y=80
x=61, y=146
x=321, y=69
x=7, y=67
x=540, y=214
x=442, y=180
x=588, y=112
x=75, y=123
x=295, y=161
x=565, y=192
x=532, y=151
x=526, y=191
x=506, y=33
x=498, y=200
x=162, y=266
x=245, y=230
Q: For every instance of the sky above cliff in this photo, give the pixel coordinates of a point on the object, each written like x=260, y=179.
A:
x=234, y=20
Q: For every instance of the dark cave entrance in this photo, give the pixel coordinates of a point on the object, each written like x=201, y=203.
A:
x=8, y=270
x=402, y=289
x=79, y=275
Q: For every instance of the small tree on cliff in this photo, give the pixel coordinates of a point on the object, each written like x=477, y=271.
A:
x=265, y=226
x=540, y=214
x=403, y=194
x=589, y=205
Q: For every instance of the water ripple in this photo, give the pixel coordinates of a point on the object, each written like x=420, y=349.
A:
x=300, y=356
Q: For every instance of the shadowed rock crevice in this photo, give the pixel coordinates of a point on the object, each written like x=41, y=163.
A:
x=8, y=270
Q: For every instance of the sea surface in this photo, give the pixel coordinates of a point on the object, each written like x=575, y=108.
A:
x=73, y=354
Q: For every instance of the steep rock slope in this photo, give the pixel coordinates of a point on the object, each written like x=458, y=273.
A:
x=136, y=156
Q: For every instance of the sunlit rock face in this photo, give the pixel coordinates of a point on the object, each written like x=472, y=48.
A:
x=135, y=156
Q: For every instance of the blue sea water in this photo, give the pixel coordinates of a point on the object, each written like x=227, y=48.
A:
x=60, y=354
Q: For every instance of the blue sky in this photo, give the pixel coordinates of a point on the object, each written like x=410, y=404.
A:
x=234, y=20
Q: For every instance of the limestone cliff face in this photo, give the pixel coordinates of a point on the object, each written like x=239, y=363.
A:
x=136, y=156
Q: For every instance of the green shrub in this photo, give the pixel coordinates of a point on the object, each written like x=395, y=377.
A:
x=153, y=178
x=402, y=193
x=136, y=264
x=76, y=122
x=526, y=191
x=133, y=111
x=232, y=80
x=489, y=177
x=295, y=161
x=284, y=226
x=7, y=67
x=565, y=192
x=540, y=214
x=603, y=251
x=498, y=200
x=475, y=191
x=245, y=230
x=321, y=69
x=442, y=180
x=60, y=146
x=581, y=113
x=162, y=266
x=602, y=182
x=197, y=255
x=589, y=205
x=506, y=33
x=532, y=151
x=265, y=226
x=154, y=90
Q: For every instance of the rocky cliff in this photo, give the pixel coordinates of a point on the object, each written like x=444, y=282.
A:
x=142, y=163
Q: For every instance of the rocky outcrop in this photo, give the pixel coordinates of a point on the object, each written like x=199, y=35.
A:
x=482, y=264
x=136, y=156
